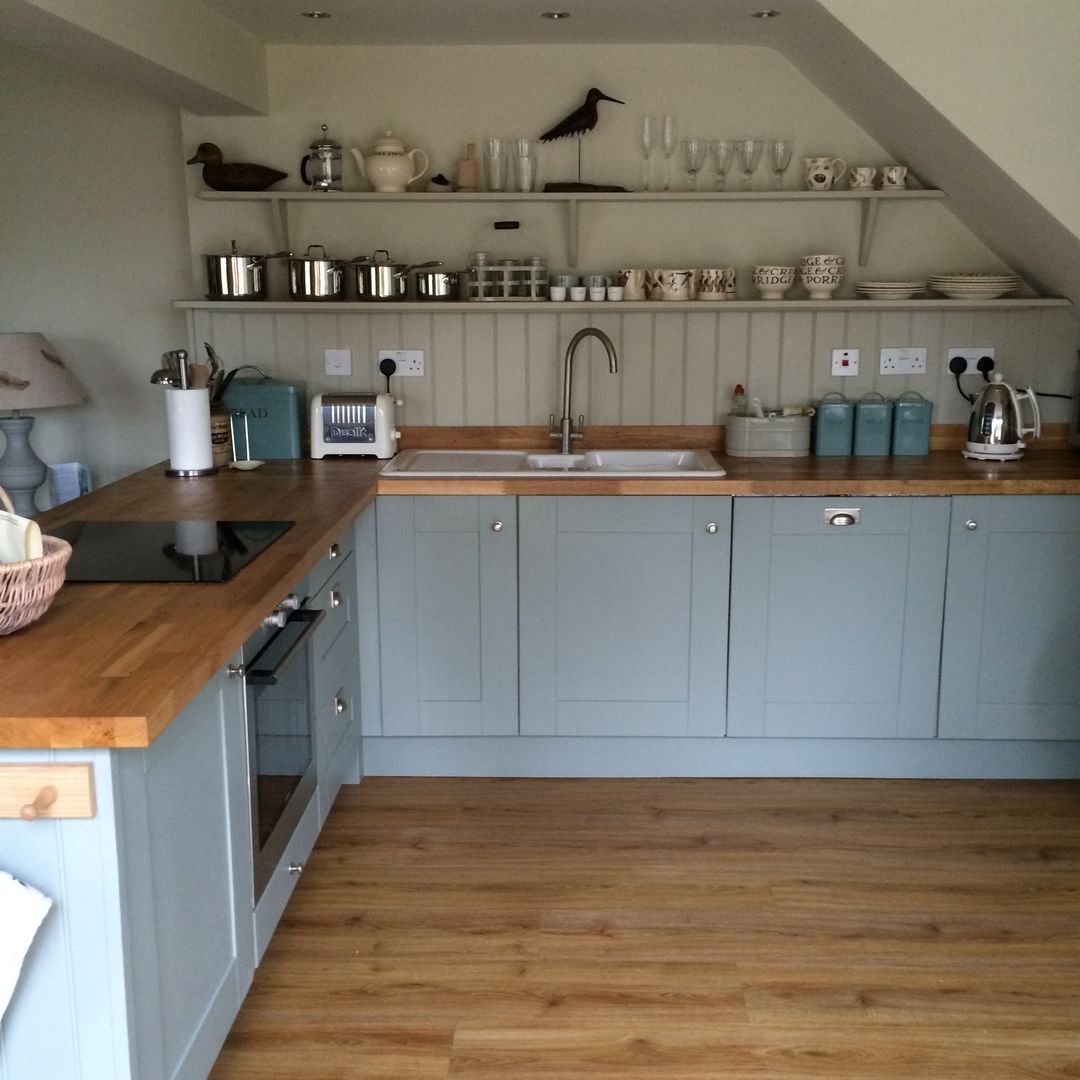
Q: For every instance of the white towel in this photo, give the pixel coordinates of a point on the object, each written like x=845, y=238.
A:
x=20, y=538
x=21, y=910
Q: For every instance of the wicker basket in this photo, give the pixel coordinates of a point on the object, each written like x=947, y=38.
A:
x=27, y=588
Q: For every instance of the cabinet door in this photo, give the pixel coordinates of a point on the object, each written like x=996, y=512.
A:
x=1010, y=668
x=624, y=614
x=448, y=614
x=836, y=628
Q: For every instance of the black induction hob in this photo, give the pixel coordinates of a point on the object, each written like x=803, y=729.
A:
x=198, y=552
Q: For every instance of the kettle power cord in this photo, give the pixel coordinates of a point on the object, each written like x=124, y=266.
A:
x=958, y=366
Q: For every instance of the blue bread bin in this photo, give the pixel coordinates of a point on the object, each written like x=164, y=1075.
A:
x=873, y=425
x=834, y=425
x=274, y=412
x=911, y=424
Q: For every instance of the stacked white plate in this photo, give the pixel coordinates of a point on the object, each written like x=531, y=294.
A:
x=974, y=286
x=890, y=290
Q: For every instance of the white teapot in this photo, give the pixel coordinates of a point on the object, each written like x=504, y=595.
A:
x=389, y=166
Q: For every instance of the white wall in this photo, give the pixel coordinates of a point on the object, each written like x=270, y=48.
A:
x=94, y=251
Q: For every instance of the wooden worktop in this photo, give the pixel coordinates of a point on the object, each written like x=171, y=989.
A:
x=110, y=665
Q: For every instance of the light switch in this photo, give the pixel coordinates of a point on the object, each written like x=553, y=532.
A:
x=338, y=361
x=845, y=361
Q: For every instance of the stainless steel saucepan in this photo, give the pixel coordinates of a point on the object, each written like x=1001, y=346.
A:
x=377, y=278
x=315, y=277
x=235, y=276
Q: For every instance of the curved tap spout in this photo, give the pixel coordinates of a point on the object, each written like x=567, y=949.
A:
x=566, y=431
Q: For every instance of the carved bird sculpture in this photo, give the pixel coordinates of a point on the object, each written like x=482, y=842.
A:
x=234, y=176
x=582, y=119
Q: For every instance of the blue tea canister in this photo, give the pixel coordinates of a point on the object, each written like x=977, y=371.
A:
x=834, y=425
x=911, y=424
x=873, y=425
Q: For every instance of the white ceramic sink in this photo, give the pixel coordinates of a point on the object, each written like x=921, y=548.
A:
x=657, y=463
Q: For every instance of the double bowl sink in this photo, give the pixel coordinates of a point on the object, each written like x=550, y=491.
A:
x=653, y=463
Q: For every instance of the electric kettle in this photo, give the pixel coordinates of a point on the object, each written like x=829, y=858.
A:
x=996, y=429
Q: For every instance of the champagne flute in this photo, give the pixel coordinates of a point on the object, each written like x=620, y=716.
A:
x=648, y=143
x=780, y=152
x=723, y=151
x=749, y=151
x=668, y=140
x=694, y=152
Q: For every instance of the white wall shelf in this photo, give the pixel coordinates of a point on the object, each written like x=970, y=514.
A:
x=868, y=202
x=624, y=307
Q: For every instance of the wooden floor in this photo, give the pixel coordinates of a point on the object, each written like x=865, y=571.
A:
x=707, y=929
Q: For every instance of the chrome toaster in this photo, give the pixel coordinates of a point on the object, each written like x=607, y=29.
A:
x=353, y=424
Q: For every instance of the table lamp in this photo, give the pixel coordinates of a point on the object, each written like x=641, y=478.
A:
x=32, y=376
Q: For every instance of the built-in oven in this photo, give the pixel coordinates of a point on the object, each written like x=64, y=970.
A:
x=277, y=672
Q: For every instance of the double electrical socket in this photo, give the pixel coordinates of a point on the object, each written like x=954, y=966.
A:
x=910, y=360
x=409, y=361
x=971, y=355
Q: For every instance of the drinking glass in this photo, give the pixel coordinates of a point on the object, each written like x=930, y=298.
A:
x=723, y=151
x=524, y=164
x=749, y=151
x=780, y=152
x=694, y=152
x=648, y=144
x=668, y=140
x=496, y=153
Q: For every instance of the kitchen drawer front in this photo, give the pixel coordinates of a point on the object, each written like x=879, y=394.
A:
x=336, y=683
x=332, y=559
x=272, y=903
x=341, y=767
x=879, y=515
x=338, y=599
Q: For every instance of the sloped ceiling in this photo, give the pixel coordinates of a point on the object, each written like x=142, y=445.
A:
x=208, y=56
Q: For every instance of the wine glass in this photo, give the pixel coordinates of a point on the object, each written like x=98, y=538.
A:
x=648, y=143
x=723, y=151
x=780, y=152
x=668, y=140
x=749, y=151
x=694, y=152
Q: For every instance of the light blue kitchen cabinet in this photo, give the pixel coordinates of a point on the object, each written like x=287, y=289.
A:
x=836, y=613
x=1011, y=645
x=624, y=605
x=448, y=613
x=140, y=967
x=336, y=669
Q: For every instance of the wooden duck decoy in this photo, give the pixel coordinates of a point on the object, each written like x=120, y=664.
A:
x=582, y=119
x=234, y=176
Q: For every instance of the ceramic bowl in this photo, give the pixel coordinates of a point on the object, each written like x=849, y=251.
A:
x=773, y=291
x=823, y=261
x=820, y=285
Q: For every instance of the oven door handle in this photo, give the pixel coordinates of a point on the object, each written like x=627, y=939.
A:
x=310, y=618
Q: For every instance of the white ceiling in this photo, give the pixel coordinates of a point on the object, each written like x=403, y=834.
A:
x=503, y=22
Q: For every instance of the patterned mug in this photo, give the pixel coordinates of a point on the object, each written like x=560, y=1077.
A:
x=672, y=284
x=634, y=284
x=862, y=176
x=894, y=176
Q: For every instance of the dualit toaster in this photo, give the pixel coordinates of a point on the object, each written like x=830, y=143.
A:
x=353, y=424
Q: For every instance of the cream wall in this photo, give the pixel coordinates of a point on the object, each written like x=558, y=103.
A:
x=94, y=251
x=676, y=368
x=1004, y=73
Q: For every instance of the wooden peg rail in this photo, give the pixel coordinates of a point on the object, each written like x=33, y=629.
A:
x=47, y=791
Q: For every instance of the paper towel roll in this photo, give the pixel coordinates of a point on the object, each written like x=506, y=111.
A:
x=187, y=414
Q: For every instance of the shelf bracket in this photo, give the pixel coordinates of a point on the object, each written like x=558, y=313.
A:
x=279, y=218
x=867, y=220
x=572, y=232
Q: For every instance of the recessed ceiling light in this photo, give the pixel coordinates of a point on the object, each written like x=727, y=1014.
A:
x=555, y=15
x=767, y=13
x=316, y=14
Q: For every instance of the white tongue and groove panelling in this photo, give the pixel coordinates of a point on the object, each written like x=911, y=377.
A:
x=674, y=368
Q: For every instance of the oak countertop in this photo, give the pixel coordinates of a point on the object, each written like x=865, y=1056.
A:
x=110, y=665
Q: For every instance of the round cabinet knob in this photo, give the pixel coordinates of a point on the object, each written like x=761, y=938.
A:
x=339, y=706
x=496, y=526
x=296, y=868
x=335, y=598
x=971, y=525
x=235, y=671
x=334, y=552
x=712, y=528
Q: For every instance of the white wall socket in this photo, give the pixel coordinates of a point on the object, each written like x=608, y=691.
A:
x=337, y=361
x=972, y=354
x=845, y=361
x=906, y=361
x=409, y=361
